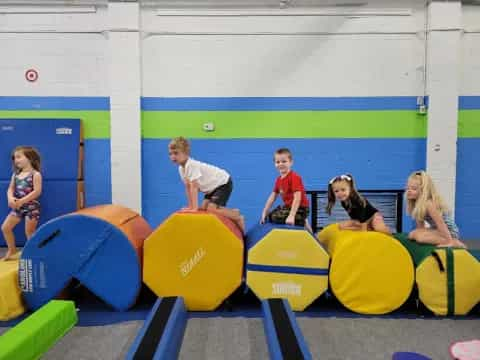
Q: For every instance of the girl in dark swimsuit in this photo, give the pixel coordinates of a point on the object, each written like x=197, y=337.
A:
x=23, y=193
x=362, y=214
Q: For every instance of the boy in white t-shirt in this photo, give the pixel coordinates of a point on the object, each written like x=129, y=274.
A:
x=197, y=176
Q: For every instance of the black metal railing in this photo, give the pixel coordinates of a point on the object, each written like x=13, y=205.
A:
x=388, y=202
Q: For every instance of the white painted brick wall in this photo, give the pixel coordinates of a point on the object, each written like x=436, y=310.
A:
x=125, y=92
x=68, y=50
x=284, y=55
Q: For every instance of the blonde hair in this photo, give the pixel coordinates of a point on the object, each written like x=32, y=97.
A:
x=180, y=144
x=354, y=197
x=31, y=154
x=427, y=193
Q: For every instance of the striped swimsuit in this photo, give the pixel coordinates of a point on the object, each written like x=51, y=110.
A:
x=452, y=227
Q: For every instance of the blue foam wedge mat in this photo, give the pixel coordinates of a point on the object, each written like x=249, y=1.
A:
x=57, y=140
x=58, y=198
x=86, y=248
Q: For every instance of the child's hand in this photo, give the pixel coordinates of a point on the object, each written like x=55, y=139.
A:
x=19, y=203
x=12, y=203
x=262, y=219
x=290, y=220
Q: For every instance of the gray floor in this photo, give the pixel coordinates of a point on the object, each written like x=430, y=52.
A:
x=224, y=338
x=95, y=343
x=243, y=339
x=371, y=339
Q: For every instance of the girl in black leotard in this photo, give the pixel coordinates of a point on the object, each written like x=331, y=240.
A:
x=362, y=214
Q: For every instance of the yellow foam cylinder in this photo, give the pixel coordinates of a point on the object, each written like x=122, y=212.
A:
x=11, y=302
x=198, y=256
x=370, y=272
x=286, y=262
x=433, y=282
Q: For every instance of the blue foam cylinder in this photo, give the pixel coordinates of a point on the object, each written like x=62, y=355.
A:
x=87, y=248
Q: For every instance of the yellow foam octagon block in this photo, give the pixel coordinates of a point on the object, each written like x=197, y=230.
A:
x=286, y=262
x=11, y=302
x=198, y=256
x=370, y=272
x=449, y=281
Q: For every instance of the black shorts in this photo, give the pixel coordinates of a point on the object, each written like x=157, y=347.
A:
x=280, y=213
x=221, y=194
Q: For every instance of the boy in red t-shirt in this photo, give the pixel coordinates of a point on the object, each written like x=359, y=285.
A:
x=290, y=186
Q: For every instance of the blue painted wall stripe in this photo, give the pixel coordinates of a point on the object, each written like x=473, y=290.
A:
x=469, y=102
x=287, y=269
x=54, y=103
x=467, y=192
x=278, y=103
x=375, y=163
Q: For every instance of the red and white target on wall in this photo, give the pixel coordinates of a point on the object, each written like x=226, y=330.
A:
x=31, y=75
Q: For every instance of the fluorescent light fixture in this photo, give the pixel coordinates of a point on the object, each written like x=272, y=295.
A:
x=43, y=9
x=334, y=11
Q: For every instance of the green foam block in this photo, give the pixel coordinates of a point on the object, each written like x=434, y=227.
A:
x=32, y=337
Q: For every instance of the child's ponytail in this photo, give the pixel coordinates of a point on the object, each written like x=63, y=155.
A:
x=331, y=199
x=355, y=196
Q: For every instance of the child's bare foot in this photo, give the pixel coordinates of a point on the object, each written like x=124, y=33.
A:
x=454, y=243
x=11, y=255
x=459, y=243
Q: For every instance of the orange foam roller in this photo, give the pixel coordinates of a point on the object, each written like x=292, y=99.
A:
x=134, y=226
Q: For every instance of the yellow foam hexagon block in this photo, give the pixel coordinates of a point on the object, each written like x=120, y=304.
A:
x=198, y=256
x=433, y=281
x=370, y=272
x=11, y=302
x=286, y=262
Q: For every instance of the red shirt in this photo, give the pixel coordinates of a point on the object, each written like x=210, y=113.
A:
x=289, y=185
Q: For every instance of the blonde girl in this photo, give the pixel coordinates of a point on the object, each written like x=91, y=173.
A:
x=435, y=224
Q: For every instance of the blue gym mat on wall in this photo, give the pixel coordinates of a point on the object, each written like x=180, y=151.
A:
x=58, y=141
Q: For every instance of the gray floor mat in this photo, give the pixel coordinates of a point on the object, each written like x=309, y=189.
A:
x=224, y=339
x=372, y=339
x=95, y=343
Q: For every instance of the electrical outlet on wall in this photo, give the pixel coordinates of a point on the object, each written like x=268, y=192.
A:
x=422, y=109
x=208, y=126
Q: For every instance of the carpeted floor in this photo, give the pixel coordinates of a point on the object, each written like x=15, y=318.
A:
x=331, y=335
x=243, y=339
x=222, y=338
x=372, y=339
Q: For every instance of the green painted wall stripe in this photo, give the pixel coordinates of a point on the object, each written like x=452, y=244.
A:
x=96, y=124
x=266, y=124
x=285, y=124
x=469, y=124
